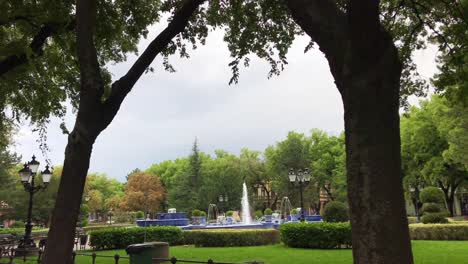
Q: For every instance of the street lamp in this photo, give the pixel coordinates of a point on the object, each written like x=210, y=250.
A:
x=223, y=200
x=27, y=174
x=301, y=178
x=109, y=214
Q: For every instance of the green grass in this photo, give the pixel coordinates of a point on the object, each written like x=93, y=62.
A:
x=425, y=252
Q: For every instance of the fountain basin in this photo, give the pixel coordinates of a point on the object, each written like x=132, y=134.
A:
x=163, y=219
x=231, y=226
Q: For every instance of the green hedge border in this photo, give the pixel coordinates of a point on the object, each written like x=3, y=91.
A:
x=231, y=238
x=451, y=231
x=316, y=235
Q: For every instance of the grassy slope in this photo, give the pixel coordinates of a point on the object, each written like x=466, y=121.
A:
x=425, y=252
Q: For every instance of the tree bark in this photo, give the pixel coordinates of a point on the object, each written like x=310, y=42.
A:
x=93, y=117
x=366, y=69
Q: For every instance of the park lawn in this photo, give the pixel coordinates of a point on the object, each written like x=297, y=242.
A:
x=425, y=252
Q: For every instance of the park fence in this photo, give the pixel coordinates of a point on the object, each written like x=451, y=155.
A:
x=8, y=257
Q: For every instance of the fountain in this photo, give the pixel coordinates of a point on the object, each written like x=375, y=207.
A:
x=217, y=221
x=285, y=208
x=212, y=216
x=246, y=218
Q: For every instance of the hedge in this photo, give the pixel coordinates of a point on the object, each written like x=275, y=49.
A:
x=36, y=231
x=434, y=218
x=231, y=237
x=117, y=238
x=335, y=212
x=439, y=231
x=316, y=235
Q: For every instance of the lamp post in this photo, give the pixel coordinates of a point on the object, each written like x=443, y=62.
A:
x=301, y=178
x=222, y=201
x=28, y=174
x=109, y=214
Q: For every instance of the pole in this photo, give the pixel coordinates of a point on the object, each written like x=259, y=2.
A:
x=28, y=226
x=302, y=202
x=27, y=246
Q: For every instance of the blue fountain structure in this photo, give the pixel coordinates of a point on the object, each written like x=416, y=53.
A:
x=216, y=221
x=165, y=219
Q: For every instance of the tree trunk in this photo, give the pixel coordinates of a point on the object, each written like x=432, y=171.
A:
x=62, y=230
x=447, y=197
x=364, y=63
x=371, y=102
x=451, y=202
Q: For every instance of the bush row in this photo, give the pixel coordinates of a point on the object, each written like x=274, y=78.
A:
x=231, y=238
x=439, y=231
x=301, y=235
x=117, y=238
x=316, y=235
x=123, y=237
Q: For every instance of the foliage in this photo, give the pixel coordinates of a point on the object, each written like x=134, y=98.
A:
x=430, y=208
x=258, y=214
x=140, y=214
x=432, y=195
x=268, y=211
x=335, y=212
x=434, y=218
x=18, y=224
x=102, y=194
x=412, y=220
x=123, y=237
x=197, y=212
x=325, y=235
x=231, y=238
x=229, y=213
x=433, y=139
x=144, y=192
x=439, y=231
x=47, y=75
x=294, y=211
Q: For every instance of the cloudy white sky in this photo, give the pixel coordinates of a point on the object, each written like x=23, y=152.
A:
x=164, y=113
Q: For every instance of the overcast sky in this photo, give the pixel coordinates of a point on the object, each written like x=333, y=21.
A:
x=163, y=114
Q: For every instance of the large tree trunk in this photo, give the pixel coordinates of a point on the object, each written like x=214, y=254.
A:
x=67, y=207
x=364, y=63
x=378, y=218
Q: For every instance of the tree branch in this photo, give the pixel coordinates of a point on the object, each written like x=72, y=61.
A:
x=37, y=43
x=326, y=25
x=124, y=85
x=91, y=79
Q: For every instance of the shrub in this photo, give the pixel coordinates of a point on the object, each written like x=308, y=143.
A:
x=335, y=212
x=229, y=213
x=316, y=235
x=116, y=238
x=430, y=208
x=202, y=213
x=294, y=211
x=439, y=231
x=431, y=195
x=231, y=237
x=139, y=214
x=268, y=211
x=412, y=220
x=434, y=218
x=18, y=224
x=258, y=214
x=196, y=212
